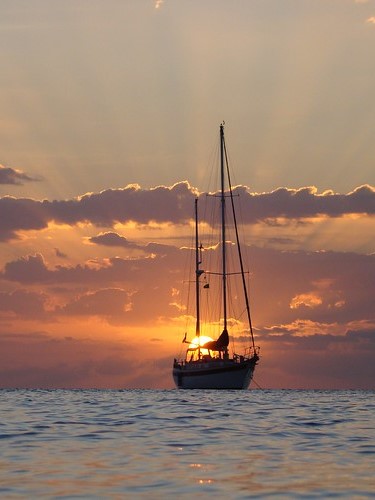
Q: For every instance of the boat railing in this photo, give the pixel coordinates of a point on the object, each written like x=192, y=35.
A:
x=251, y=351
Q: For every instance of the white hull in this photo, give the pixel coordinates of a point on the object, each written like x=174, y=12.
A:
x=215, y=374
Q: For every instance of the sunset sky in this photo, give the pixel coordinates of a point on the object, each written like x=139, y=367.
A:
x=110, y=112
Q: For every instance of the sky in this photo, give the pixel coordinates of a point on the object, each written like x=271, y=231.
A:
x=110, y=112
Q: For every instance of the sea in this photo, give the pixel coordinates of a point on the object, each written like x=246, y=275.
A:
x=187, y=444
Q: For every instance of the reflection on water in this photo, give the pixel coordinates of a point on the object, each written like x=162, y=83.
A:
x=163, y=443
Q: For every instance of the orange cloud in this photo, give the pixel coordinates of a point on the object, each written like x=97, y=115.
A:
x=305, y=299
x=108, y=287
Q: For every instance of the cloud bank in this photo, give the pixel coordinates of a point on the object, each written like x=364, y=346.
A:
x=174, y=205
x=313, y=315
x=313, y=311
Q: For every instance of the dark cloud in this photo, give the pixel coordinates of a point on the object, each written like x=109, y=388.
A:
x=110, y=302
x=128, y=291
x=285, y=286
x=10, y=175
x=60, y=254
x=174, y=205
x=36, y=361
x=23, y=304
x=160, y=204
x=338, y=286
x=29, y=269
x=305, y=202
x=140, y=306
x=289, y=336
x=329, y=361
x=112, y=239
x=32, y=269
x=21, y=214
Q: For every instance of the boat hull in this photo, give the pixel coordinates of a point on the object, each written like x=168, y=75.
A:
x=221, y=374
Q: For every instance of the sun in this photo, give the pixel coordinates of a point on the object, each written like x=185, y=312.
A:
x=199, y=341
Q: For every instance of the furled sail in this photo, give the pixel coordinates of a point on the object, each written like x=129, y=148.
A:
x=220, y=344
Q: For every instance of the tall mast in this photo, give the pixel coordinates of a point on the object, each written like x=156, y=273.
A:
x=239, y=252
x=198, y=271
x=224, y=264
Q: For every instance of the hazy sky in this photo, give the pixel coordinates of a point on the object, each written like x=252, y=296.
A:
x=98, y=94
x=102, y=101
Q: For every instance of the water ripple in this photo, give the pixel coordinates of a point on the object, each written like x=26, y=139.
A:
x=156, y=444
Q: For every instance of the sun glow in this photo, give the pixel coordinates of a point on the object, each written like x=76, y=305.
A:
x=199, y=341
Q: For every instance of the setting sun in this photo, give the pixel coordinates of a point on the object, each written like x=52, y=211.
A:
x=199, y=341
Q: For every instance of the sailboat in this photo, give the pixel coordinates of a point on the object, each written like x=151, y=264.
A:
x=210, y=363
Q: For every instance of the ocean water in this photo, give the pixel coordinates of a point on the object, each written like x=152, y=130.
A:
x=184, y=444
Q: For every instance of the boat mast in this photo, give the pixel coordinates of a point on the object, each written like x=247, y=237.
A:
x=198, y=272
x=223, y=253
x=239, y=252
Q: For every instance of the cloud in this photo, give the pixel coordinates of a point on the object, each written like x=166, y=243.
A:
x=299, y=299
x=60, y=254
x=305, y=299
x=318, y=355
x=310, y=345
x=322, y=360
x=161, y=204
x=306, y=202
x=112, y=239
x=174, y=205
x=33, y=269
x=341, y=284
x=13, y=176
x=302, y=366
x=29, y=269
x=110, y=302
x=23, y=304
x=321, y=336
x=325, y=295
x=21, y=214
x=33, y=360
x=288, y=285
x=140, y=305
x=120, y=291
x=37, y=359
